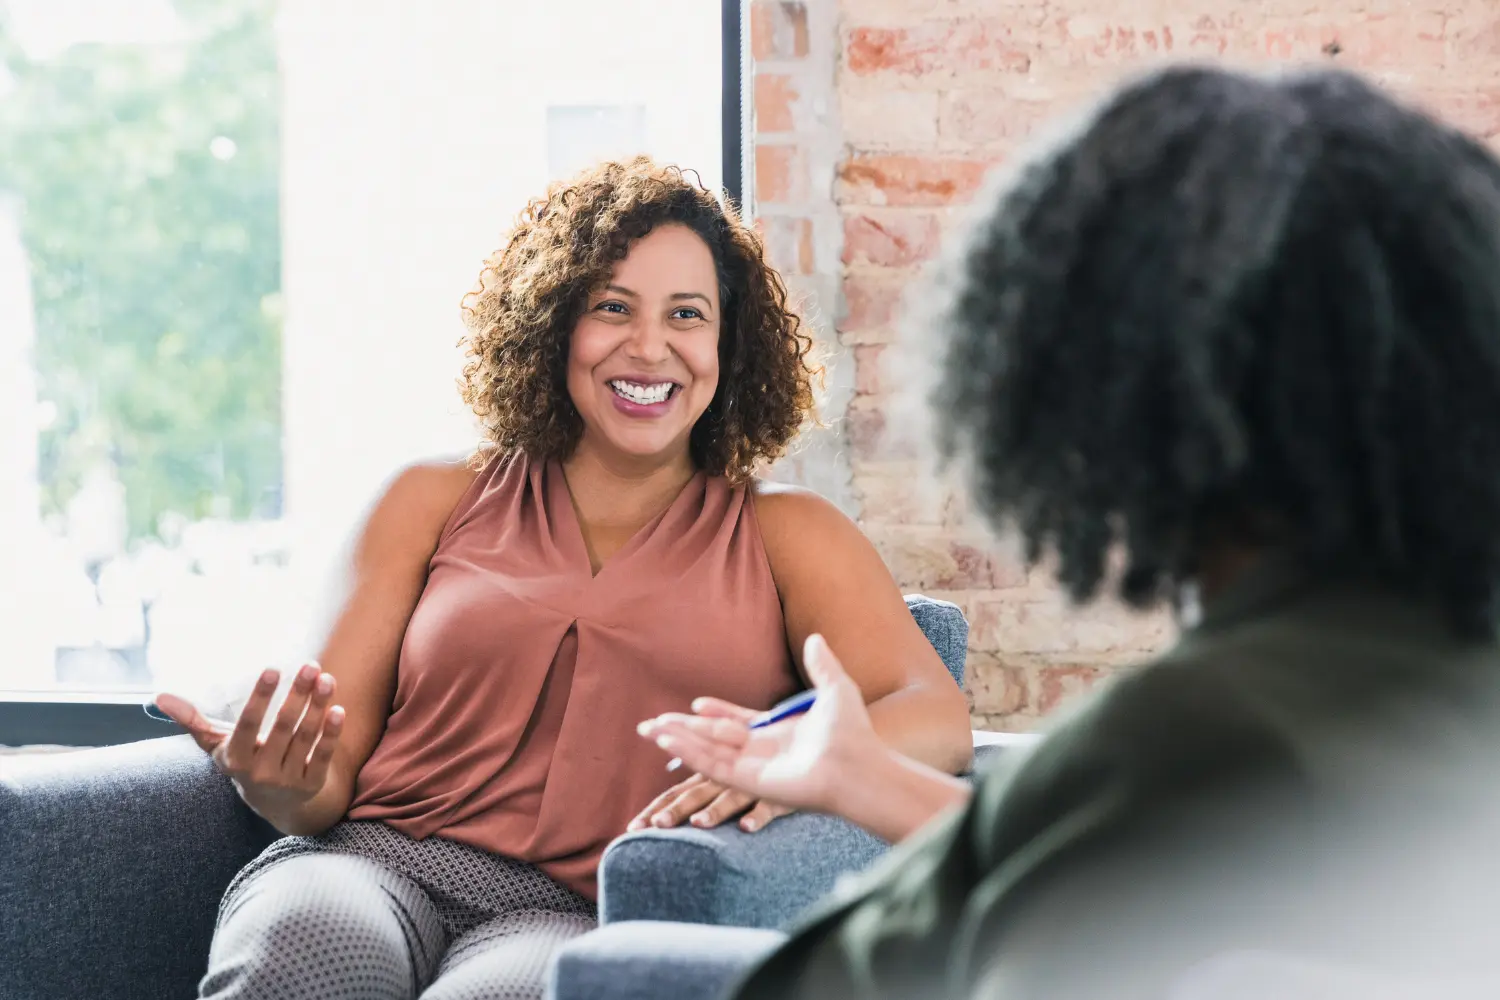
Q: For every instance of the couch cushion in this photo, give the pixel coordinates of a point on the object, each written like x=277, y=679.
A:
x=653, y=960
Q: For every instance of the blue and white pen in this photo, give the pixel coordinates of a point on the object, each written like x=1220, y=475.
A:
x=793, y=706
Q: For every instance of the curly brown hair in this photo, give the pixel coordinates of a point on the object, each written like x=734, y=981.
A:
x=533, y=290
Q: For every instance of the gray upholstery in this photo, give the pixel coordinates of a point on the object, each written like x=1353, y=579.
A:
x=111, y=867
x=946, y=628
x=650, y=960
x=726, y=876
x=112, y=863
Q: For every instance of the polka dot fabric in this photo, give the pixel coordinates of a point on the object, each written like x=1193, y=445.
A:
x=366, y=913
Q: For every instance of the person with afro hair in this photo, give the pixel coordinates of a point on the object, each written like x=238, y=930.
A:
x=1230, y=345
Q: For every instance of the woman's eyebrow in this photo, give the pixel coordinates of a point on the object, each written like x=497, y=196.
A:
x=621, y=290
x=678, y=296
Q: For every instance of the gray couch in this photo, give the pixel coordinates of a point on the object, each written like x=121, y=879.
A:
x=112, y=863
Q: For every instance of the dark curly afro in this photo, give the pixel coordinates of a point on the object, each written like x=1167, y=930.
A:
x=533, y=290
x=1242, y=309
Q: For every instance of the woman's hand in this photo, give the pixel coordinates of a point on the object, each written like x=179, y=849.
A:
x=706, y=804
x=282, y=772
x=803, y=762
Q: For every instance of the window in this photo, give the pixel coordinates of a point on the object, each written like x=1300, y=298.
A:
x=233, y=238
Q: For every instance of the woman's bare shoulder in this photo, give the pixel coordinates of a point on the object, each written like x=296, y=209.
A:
x=797, y=517
x=421, y=496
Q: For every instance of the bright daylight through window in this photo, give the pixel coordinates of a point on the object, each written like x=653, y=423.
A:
x=233, y=239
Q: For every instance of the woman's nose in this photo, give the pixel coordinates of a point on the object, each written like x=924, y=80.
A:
x=648, y=342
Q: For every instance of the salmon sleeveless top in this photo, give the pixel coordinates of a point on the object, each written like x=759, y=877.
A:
x=523, y=675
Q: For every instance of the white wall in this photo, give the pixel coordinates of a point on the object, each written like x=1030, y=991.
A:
x=413, y=134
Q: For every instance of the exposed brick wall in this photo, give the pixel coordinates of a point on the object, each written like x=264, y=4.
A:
x=797, y=148
x=918, y=99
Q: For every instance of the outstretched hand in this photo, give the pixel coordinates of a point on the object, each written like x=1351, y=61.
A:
x=801, y=762
x=290, y=764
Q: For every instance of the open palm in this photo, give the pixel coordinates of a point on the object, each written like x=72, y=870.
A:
x=799, y=762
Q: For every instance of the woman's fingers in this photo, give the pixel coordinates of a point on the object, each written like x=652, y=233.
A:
x=656, y=805
x=186, y=714
x=724, y=806
x=676, y=812
x=301, y=746
x=763, y=813
x=239, y=749
x=273, y=751
x=322, y=754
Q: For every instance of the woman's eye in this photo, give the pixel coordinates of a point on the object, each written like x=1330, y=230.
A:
x=686, y=312
x=611, y=307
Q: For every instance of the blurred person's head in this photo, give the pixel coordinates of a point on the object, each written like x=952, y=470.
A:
x=1232, y=314
x=630, y=313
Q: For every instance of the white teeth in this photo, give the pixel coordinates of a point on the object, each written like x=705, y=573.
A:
x=643, y=394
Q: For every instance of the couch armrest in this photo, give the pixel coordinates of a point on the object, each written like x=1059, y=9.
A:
x=726, y=876
x=646, y=960
x=112, y=863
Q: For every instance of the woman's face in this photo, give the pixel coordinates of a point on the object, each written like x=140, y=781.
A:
x=643, y=362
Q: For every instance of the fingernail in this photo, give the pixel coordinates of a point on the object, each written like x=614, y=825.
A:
x=749, y=825
x=661, y=819
x=268, y=678
x=699, y=703
x=700, y=820
x=644, y=729
x=665, y=742
x=634, y=825
x=307, y=673
x=325, y=684
x=336, y=713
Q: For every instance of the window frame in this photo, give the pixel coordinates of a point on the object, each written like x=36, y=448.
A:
x=110, y=718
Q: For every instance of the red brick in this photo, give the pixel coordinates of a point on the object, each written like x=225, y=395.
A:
x=1475, y=110
x=1053, y=686
x=870, y=303
x=1016, y=722
x=864, y=425
x=866, y=179
x=1473, y=36
x=925, y=558
x=1044, y=621
x=995, y=686
x=990, y=117
x=789, y=242
x=867, y=369
x=1111, y=42
x=780, y=174
x=891, y=240
x=904, y=497
x=775, y=94
x=941, y=46
x=1369, y=41
x=778, y=30
x=874, y=116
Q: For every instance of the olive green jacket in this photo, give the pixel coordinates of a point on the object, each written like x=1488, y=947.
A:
x=1303, y=775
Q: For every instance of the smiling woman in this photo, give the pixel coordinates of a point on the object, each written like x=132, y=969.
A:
x=727, y=313
x=606, y=555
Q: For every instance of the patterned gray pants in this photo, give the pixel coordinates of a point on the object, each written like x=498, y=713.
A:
x=365, y=913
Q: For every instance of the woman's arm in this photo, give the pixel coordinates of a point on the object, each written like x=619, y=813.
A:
x=371, y=603
x=832, y=582
x=896, y=796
